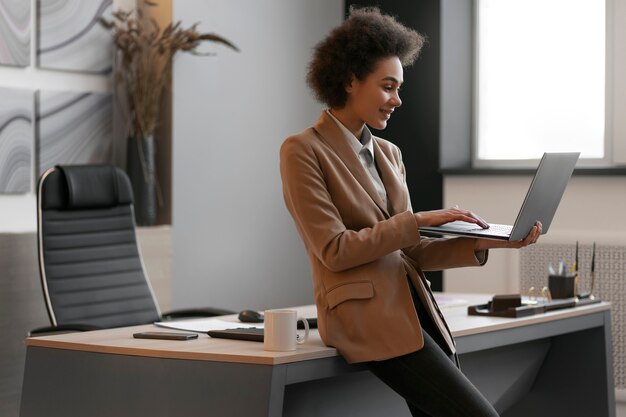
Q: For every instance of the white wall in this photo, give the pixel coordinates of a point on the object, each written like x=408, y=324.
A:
x=234, y=243
x=591, y=210
x=617, y=73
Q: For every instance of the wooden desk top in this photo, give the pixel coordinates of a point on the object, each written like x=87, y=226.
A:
x=120, y=341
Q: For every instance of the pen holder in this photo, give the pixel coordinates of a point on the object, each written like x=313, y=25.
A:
x=563, y=286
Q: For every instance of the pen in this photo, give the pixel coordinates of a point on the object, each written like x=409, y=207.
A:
x=593, y=258
x=576, y=258
x=593, y=270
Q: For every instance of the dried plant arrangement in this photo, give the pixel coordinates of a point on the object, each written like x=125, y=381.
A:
x=144, y=61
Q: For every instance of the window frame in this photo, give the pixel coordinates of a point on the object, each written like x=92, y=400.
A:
x=614, y=155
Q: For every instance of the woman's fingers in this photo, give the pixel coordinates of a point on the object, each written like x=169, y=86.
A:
x=532, y=237
x=470, y=217
x=439, y=217
x=481, y=222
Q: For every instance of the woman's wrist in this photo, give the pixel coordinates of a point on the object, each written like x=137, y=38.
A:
x=481, y=256
x=482, y=245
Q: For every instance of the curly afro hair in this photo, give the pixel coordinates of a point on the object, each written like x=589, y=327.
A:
x=354, y=48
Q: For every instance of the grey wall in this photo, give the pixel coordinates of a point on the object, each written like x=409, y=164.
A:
x=22, y=305
x=457, y=83
x=234, y=243
x=21, y=309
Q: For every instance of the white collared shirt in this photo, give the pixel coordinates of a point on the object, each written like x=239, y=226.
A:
x=364, y=149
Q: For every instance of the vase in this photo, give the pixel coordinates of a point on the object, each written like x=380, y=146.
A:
x=141, y=169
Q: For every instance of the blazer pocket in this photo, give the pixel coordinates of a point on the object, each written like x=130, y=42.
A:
x=350, y=291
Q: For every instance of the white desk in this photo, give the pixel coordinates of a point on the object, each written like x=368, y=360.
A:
x=555, y=364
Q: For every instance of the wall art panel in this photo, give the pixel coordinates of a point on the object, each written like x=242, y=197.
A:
x=16, y=140
x=15, y=32
x=73, y=128
x=71, y=37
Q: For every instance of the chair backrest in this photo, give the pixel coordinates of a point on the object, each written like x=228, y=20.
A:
x=91, y=269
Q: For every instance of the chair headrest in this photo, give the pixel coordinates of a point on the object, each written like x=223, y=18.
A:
x=75, y=187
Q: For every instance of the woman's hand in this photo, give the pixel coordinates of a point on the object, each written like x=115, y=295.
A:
x=533, y=235
x=439, y=217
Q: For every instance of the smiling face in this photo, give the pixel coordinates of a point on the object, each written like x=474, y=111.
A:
x=373, y=99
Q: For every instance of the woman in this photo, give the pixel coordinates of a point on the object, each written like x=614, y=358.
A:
x=347, y=193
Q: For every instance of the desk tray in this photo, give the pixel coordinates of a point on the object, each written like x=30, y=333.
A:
x=528, y=309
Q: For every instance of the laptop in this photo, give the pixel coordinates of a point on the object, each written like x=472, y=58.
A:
x=542, y=199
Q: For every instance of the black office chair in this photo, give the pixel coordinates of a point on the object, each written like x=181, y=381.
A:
x=92, y=273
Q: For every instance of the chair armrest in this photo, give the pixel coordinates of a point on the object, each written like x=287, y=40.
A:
x=195, y=312
x=65, y=328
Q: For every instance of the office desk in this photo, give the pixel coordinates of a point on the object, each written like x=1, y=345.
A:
x=555, y=364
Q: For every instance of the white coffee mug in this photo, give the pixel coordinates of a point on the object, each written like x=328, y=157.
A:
x=280, y=334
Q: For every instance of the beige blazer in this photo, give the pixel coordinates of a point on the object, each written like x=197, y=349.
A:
x=361, y=254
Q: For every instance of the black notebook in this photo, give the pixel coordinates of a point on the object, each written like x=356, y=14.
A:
x=253, y=333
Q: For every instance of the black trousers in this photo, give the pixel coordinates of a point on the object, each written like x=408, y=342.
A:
x=430, y=381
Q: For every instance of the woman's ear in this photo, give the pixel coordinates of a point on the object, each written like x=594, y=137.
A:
x=351, y=83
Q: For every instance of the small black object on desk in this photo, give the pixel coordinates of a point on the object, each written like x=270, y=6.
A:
x=508, y=305
x=252, y=316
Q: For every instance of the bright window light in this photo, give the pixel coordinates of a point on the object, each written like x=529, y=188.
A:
x=540, y=78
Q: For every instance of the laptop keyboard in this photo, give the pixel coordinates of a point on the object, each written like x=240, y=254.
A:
x=498, y=229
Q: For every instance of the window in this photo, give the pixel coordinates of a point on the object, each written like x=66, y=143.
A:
x=540, y=80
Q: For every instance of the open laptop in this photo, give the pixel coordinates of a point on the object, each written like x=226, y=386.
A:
x=541, y=202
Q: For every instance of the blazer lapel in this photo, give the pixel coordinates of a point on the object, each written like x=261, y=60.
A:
x=391, y=179
x=332, y=135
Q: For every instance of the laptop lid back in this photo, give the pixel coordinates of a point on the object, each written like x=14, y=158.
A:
x=545, y=192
